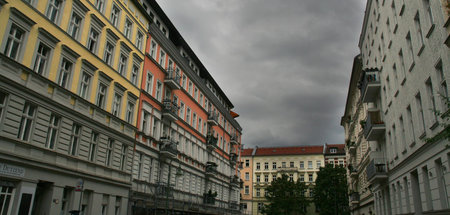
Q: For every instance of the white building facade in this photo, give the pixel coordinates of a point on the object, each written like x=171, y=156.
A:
x=405, y=67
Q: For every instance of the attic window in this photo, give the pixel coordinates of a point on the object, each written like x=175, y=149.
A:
x=333, y=150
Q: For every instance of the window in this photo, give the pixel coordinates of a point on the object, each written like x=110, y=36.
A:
x=6, y=195
x=122, y=69
x=65, y=71
x=420, y=115
x=52, y=131
x=274, y=177
x=266, y=165
x=139, y=39
x=84, y=85
x=115, y=15
x=117, y=101
x=100, y=4
x=74, y=139
x=26, y=122
x=3, y=97
x=158, y=94
x=427, y=7
x=310, y=177
x=247, y=189
x=283, y=164
x=130, y=113
x=42, y=58
x=74, y=25
x=258, y=193
x=183, y=82
x=149, y=83
x=310, y=165
x=127, y=28
x=200, y=124
x=109, y=151
x=194, y=120
x=53, y=10
x=443, y=90
x=260, y=205
x=302, y=165
x=181, y=110
x=162, y=58
x=247, y=176
x=432, y=102
x=195, y=93
x=134, y=74
x=93, y=146
x=333, y=150
x=101, y=95
x=190, y=88
x=274, y=165
x=153, y=49
x=266, y=178
x=302, y=178
x=93, y=40
x=123, y=156
x=188, y=115
x=247, y=163
x=14, y=42
x=291, y=177
x=418, y=31
x=109, y=53
x=258, y=166
x=291, y=164
x=318, y=163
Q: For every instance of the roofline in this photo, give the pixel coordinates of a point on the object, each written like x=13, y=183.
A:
x=354, y=78
x=366, y=18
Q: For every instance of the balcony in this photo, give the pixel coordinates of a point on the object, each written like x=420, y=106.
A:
x=163, y=190
x=213, y=118
x=172, y=79
x=169, y=110
x=233, y=158
x=370, y=86
x=287, y=169
x=353, y=173
x=233, y=140
x=209, y=198
x=351, y=146
x=374, y=127
x=168, y=148
x=376, y=170
x=235, y=181
x=211, y=142
x=211, y=168
x=354, y=198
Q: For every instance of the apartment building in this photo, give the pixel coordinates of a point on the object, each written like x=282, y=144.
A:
x=188, y=141
x=403, y=83
x=247, y=178
x=80, y=130
x=67, y=116
x=266, y=164
x=334, y=154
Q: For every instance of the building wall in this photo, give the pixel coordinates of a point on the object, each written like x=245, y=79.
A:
x=247, y=197
x=405, y=41
x=297, y=171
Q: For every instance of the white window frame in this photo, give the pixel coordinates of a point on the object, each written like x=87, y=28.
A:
x=27, y=121
x=53, y=131
x=75, y=137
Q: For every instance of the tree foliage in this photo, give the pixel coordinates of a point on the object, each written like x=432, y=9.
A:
x=330, y=191
x=286, y=197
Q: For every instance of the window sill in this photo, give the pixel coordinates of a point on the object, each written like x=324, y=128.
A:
x=434, y=125
x=403, y=81
x=413, y=64
x=423, y=135
x=396, y=93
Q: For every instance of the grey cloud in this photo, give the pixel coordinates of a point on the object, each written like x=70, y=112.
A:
x=285, y=65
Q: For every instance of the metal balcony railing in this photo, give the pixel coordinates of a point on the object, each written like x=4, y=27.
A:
x=234, y=140
x=287, y=169
x=211, y=141
x=376, y=170
x=213, y=118
x=370, y=85
x=172, y=79
x=170, y=109
x=374, y=127
x=169, y=147
x=211, y=168
x=354, y=197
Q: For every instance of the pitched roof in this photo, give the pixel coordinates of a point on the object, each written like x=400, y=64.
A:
x=295, y=150
x=340, y=148
x=246, y=152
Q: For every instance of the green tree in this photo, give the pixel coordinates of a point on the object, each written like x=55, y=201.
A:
x=286, y=197
x=330, y=191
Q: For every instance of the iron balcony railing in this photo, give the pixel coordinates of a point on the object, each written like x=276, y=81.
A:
x=211, y=141
x=173, y=75
x=169, y=146
x=211, y=168
x=213, y=117
x=374, y=125
x=354, y=197
x=170, y=109
x=377, y=168
x=234, y=140
x=370, y=85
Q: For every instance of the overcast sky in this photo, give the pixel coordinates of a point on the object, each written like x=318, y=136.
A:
x=284, y=64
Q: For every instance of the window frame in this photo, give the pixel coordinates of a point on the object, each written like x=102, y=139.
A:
x=25, y=130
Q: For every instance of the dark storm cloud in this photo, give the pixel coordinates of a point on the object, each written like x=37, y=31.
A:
x=284, y=64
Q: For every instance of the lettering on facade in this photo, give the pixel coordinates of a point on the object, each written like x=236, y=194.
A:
x=6, y=169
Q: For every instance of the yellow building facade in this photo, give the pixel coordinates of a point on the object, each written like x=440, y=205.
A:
x=300, y=163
